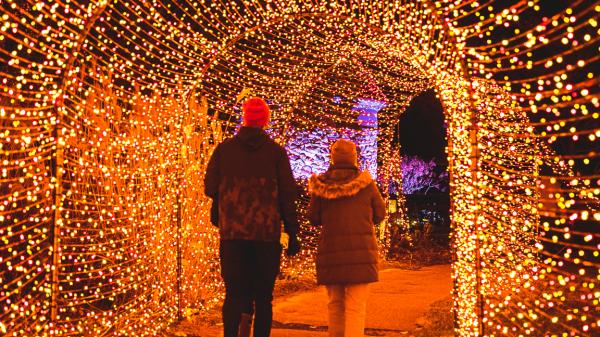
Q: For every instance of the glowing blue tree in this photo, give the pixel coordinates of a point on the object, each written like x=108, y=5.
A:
x=421, y=176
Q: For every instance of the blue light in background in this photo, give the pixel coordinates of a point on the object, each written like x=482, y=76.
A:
x=367, y=139
x=368, y=111
x=309, y=149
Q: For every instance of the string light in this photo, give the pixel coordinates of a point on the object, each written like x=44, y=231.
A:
x=109, y=111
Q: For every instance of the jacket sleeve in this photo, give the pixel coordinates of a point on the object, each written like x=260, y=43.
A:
x=314, y=211
x=212, y=177
x=286, y=185
x=378, y=205
x=214, y=212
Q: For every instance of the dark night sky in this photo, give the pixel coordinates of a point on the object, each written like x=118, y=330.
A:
x=421, y=126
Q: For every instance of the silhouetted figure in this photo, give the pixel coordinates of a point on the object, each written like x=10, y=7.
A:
x=250, y=181
x=346, y=203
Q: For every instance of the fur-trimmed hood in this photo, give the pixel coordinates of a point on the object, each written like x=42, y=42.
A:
x=338, y=183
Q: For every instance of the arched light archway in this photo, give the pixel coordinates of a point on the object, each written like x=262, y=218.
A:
x=110, y=110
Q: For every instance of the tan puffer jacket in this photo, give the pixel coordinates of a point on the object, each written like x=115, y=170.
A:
x=346, y=204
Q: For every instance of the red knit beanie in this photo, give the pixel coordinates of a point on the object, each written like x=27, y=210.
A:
x=256, y=112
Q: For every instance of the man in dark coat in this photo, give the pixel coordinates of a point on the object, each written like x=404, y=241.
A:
x=250, y=181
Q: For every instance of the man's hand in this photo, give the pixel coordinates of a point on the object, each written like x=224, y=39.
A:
x=293, y=246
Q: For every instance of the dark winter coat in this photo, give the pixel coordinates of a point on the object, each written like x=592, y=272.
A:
x=252, y=186
x=347, y=204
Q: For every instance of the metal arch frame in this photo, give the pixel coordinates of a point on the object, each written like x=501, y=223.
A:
x=58, y=163
x=473, y=127
x=222, y=51
x=474, y=141
x=265, y=24
x=232, y=42
x=59, y=105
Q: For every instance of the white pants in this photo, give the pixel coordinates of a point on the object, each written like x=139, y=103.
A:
x=347, y=309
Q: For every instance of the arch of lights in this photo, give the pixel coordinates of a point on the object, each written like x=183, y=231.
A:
x=110, y=109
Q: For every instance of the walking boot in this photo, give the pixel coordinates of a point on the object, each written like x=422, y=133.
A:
x=245, y=325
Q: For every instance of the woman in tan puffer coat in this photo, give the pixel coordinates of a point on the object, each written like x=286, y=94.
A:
x=346, y=203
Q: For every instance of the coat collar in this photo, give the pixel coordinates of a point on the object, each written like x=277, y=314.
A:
x=252, y=137
x=323, y=186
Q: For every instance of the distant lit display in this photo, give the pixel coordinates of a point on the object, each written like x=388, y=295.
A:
x=309, y=149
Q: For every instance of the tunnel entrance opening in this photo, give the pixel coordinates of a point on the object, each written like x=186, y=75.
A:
x=120, y=122
x=419, y=221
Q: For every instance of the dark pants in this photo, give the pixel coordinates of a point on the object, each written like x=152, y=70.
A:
x=249, y=269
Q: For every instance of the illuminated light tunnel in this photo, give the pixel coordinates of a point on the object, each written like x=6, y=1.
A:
x=110, y=109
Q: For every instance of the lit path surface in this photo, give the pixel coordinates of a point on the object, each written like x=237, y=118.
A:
x=397, y=304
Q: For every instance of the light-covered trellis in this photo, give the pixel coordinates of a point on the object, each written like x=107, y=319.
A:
x=110, y=109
